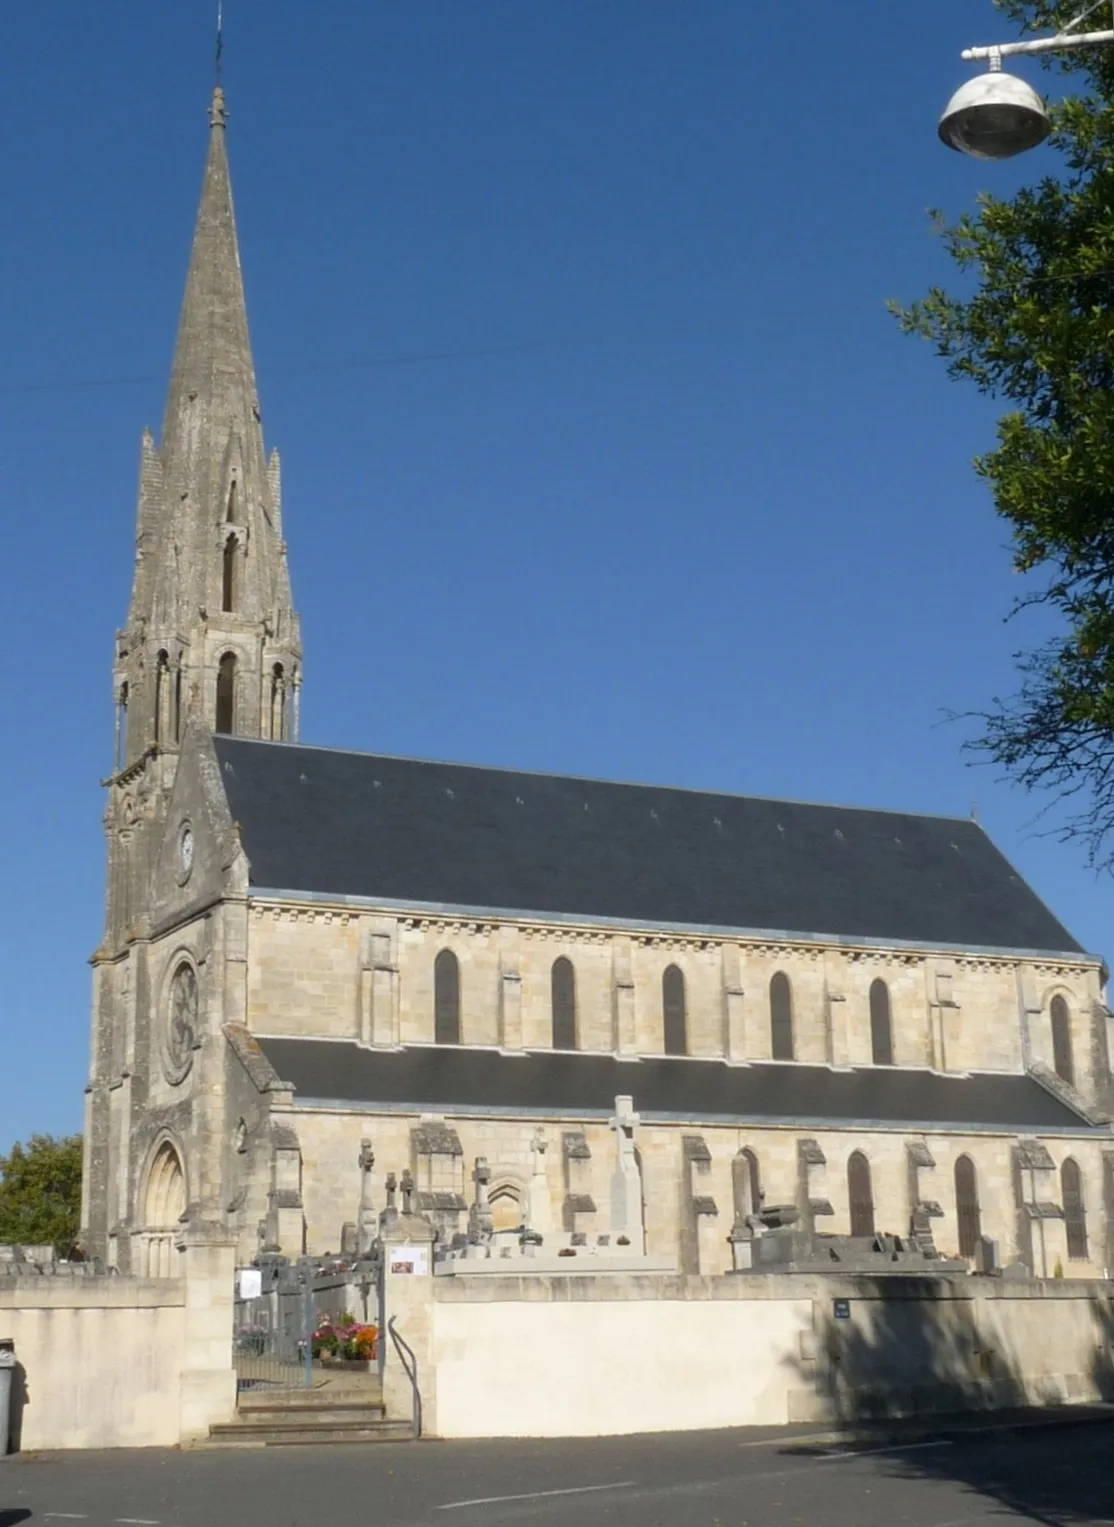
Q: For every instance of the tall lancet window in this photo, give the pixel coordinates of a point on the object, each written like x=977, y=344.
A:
x=563, y=995
x=446, y=999
x=674, y=1021
x=230, y=516
x=860, y=1195
x=230, y=576
x=881, y=1027
x=163, y=724
x=1061, y=1041
x=278, y=703
x=121, y=724
x=781, y=1017
x=225, y=719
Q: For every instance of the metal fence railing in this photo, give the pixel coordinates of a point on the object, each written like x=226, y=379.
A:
x=273, y=1331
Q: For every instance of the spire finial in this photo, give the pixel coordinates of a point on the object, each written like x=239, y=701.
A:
x=220, y=44
x=217, y=113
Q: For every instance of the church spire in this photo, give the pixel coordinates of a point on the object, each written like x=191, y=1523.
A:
x=212, y=395
x=211, y=629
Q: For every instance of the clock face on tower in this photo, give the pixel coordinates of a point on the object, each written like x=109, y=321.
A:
x=185, y=853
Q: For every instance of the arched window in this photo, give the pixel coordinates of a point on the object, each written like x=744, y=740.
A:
x=562, y=982
x=230, y=516
x=1061, y=1041
x=860, y=1195
x=781, y=1017
x=162, y=697
x=881, y=1029
x=278, y=703
x=446, y=999
x=122, y=724
x=230, y=579
x=226, y=694
x=178, y=701
x=673, y=1011
x=1075, y=1214
x=967, y=1213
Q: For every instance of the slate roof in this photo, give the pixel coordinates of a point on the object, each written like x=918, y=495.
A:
x=357, y=824
x=444, y=1079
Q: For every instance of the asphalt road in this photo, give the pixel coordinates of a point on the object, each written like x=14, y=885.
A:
x=1061, y=1478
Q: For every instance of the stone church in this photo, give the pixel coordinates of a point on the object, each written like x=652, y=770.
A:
x=313, y=955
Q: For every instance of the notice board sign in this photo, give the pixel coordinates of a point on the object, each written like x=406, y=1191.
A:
x=408, y=1261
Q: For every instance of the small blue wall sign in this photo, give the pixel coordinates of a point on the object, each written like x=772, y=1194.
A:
x=841, y=1309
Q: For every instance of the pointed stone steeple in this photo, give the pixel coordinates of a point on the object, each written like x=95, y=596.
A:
x=211, y=629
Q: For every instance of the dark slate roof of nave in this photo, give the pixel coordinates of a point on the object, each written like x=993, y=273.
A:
x=358, y=824
x=574, y=1083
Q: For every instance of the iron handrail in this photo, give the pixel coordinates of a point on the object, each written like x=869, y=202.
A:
x=410, y=1368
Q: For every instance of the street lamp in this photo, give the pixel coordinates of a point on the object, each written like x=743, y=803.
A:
x=997, y=115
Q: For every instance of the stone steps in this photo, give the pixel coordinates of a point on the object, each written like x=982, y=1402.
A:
x=304, y=1417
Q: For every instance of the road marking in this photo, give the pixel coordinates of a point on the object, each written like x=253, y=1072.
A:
x=137, y=1521
x=872, y=1452
x=65, y=1516
x=497, y=1500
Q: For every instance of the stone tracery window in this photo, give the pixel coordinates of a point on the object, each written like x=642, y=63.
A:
x=1062, y=1059
x=674, y=1021
x=446, y=999
x=563, y=998
x=781, y=1017
x=182, y=1021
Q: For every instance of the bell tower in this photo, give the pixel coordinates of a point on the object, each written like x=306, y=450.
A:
x=212, y=639
x=211, y=632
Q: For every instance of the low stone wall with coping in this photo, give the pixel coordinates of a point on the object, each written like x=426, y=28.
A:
x=606, y=1355
x=107, y=1362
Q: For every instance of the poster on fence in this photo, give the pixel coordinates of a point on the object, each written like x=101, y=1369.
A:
x=409, y=1259
x=251, y=1283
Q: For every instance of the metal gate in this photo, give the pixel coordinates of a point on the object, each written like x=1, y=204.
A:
x=273, y=1332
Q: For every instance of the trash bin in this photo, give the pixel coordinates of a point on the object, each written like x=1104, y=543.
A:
x=7, y=1374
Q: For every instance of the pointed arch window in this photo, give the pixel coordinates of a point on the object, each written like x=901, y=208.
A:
x=781, y=1017
x=1075, y=1214
x=860, y=1194
x=446, y=999
x=881, y=1025
x=122, y=724
x=674, y=1022
x=230, y=576
x=278, y=703
x=162, y=697
x=230, y=515
x=967, y=1214
x=226, y=694
x=1062, y=1058
x=562, y=982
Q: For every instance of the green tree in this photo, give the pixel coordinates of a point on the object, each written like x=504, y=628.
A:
x=40, y=1192
x=1036, y=330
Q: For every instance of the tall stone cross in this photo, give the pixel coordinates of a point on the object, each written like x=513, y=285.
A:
x=540, y=1207
x=480, y=1223
x=367, y=1221
x=626, y=1180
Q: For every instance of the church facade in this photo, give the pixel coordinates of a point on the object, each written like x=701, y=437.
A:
x=309, y=954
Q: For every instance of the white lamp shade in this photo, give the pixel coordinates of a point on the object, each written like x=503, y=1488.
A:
x=994, y=117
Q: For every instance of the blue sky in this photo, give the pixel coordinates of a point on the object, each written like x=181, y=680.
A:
x=600, y=451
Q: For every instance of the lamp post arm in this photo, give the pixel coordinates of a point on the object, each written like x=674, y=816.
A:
x=1062, y=43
